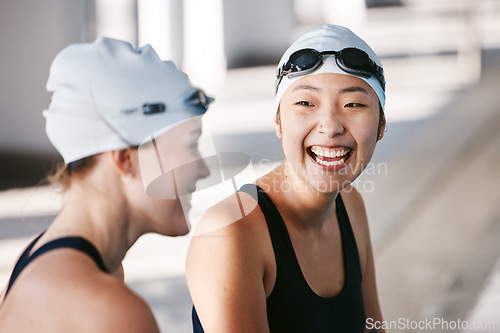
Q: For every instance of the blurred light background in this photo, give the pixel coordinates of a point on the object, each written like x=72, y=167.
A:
x=432, y=201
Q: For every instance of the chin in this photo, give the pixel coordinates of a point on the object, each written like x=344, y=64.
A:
x=329, y=183
x=178, y=225
x=328, y=187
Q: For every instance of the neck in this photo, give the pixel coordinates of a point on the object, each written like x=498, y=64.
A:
x=299, y=202
x=88, y=212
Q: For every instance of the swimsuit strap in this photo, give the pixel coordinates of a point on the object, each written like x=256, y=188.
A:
x=77, y=243
x=270, y=212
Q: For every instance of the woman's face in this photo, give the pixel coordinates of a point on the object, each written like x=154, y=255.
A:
x=328, y=125
x=170, y=166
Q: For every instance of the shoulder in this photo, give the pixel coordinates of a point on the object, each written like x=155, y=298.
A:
x=118, y=309
x=355, y=207
x=356, y=211
x=229, y=264
x=236, y=212
x=354, y=203
x=230, y=235
x=71, y=289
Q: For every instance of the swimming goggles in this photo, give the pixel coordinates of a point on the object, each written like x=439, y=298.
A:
x=196, y=102
x=351, y=60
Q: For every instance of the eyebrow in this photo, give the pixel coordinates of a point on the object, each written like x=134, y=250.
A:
x=354, y=89
x=345, y=90
x=306, y=87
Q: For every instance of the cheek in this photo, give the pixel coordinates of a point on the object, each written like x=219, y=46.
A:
x=294, y=130
x=365, y=135
x=173, y=159
x=169, y=175
x=364, y=130
x=186, y=176
x=172, y=154
x=149, y=167
x=181, y=161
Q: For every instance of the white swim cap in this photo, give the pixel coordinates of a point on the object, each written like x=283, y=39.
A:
x=323, y=38
x=108, y=96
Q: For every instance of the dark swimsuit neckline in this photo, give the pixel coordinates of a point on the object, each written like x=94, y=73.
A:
x=345, y=262
x=71, y=242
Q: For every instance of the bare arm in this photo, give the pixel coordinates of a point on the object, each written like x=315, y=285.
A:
x=225, y=273
x=357, y=214
x=370, y=295
x=2, y=296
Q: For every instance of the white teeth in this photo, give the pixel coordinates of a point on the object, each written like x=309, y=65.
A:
x=332, y=163
x=329, y=152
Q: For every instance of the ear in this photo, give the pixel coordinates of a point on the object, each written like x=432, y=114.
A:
x=124, y=162
x=381, y=127
x=277, y=124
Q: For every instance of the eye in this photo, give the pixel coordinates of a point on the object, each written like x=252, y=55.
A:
x=304, y=103
x=354, y=105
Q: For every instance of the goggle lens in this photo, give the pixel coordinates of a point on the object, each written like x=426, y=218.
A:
x=356, y=59
x=304, y=59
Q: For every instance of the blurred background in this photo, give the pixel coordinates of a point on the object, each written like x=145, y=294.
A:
x=432, y=190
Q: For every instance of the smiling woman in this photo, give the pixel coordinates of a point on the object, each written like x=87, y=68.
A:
x=117, y=113
x=301, y=260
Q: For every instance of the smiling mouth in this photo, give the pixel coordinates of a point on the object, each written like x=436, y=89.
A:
x=329, y=156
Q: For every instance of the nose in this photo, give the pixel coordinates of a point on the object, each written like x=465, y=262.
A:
x=203, y=170
x=330, y=124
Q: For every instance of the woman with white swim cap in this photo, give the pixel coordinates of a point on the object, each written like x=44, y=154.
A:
x=122, y=119
x=301, y=260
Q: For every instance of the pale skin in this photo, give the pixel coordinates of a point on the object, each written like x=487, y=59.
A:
x=63, y=290
x=231, y=269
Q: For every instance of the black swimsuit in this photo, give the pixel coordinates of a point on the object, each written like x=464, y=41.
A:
x=77, y=243
x=293, y=306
